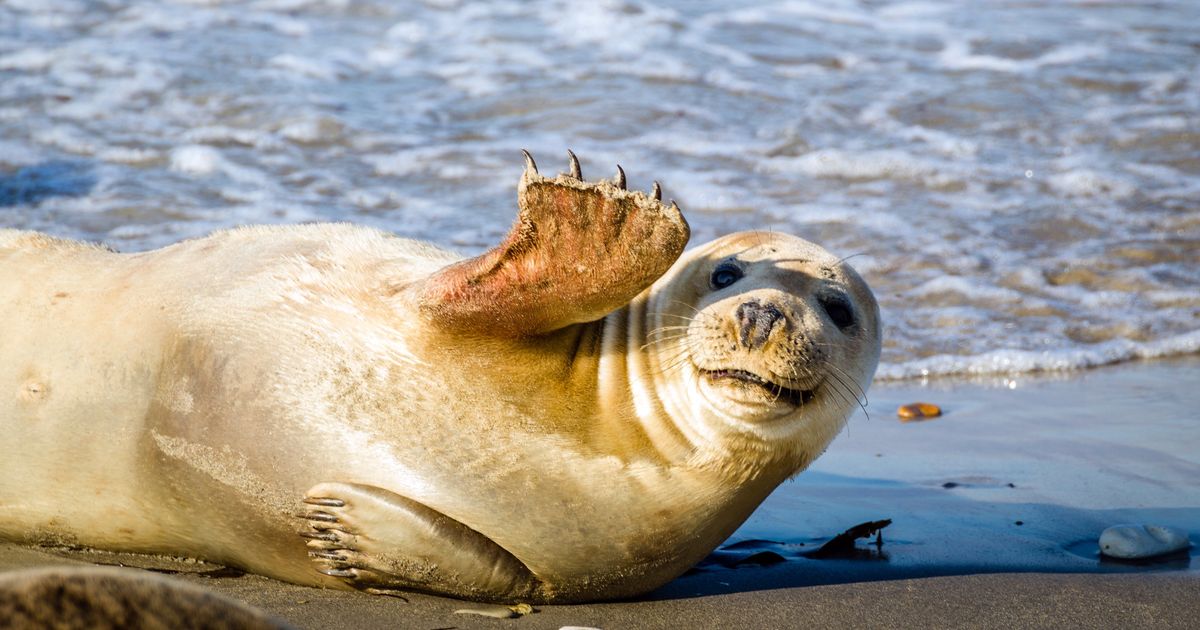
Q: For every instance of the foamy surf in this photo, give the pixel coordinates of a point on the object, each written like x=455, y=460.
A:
x=1018, y=183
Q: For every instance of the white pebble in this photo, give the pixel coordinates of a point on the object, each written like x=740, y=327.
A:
x=1142, y=541
x=499, y=612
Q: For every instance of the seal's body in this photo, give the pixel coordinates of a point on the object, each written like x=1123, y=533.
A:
x=538, y=423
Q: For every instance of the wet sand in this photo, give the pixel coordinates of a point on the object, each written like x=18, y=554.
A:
x=996, y=507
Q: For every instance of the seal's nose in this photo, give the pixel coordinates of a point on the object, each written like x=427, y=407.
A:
x=756, y=321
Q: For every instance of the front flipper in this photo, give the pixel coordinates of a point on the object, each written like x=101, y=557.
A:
x=577, y=251
x=375, y=539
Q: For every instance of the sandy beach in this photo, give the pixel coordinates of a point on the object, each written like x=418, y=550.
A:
x=1081, y=451
x=1006, y=600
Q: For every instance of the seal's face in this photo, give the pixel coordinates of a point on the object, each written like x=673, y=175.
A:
x=773, y=338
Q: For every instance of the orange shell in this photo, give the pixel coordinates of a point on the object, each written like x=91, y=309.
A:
x=918, y=411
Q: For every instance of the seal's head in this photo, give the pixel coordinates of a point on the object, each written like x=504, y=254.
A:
x=763, y=344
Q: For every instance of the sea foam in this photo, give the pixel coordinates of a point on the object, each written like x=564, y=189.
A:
x=1017, y=182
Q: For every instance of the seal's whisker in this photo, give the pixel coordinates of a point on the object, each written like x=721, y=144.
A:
x=775, y=389
x=686, y=318
x=674, y=366
x=673, y=361
x=669, y=353
x=676, y=362
x=839, y=379
x=819, y=344
x=668, y=328
x=837, y=383
x=838, y=391
x=836, y=386
x=658, y=335
x=779, y=390
x=865, y=402
x=861, y=398
x=849, y=382
x=686, y=354
x=855, y=254
x=664, y=339
x=685, y=304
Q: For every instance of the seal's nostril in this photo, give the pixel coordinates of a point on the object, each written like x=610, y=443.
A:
x=756, y=321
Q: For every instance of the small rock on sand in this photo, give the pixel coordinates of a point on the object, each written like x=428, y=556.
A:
x=498, y=612
x=1132, y=542
x=918, y=411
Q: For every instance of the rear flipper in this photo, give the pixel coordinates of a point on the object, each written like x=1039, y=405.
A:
x=375, y=539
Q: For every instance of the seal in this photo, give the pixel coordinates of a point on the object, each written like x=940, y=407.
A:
x=578, y=413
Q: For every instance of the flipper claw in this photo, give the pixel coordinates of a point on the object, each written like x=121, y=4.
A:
x=657, y=192
x=576, y=172
x=620, y=179
x=339, y=573
x=324, y=502
x=324, y=517
x=530, y=165
x=323, y=534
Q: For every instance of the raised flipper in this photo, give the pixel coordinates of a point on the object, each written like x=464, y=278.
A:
x=376, y=539
x=577, y=251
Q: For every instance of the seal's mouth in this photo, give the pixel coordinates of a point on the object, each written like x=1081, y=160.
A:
x=796, y=397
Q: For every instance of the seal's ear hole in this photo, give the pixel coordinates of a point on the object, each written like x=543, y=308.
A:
x=724, y=275
x=837, y=307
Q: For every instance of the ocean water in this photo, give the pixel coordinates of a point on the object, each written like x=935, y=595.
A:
x=1019, y=182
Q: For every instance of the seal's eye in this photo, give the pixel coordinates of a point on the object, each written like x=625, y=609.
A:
x=837, y=306
x=724, y=275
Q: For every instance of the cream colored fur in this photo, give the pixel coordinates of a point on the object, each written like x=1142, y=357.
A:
x=181, y=401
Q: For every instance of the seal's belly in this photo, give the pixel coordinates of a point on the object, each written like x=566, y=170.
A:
x=77, y=375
